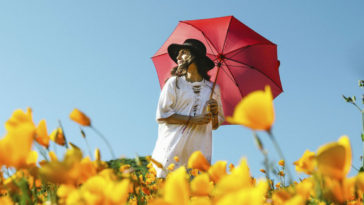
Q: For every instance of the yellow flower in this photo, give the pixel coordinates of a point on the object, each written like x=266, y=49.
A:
x=281, y=162
x=255, y=111
x=339, y=190
x=334, y=159
x=281, y=196
x=194, y=172
x=17, y=143
x=176, y=158
x=246, y=196
x=58, y=137
x=281, y=173
x=171, y=167
x=198, y=161
x=52, y=156
x=97, y=154
x=32, y=158
x=201, y=186
x=278, y=185
x=79, y=117
x=176, y=189
x=204, y=200
x=155, y=162
x=306, y=188
x=100, y=190
x=42, y=136
x=64, y=172
x=231, y=167
x=239, y=178
x=360, y=181
x=296, y=200
x=19, y=118
x=306, y=163
x=262, y=170
x=124, y=167
x=6, y=200
x=64, y=191
x=217, y=171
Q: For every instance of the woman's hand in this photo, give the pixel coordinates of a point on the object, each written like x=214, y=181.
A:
x=212, y=103
x=201, y=119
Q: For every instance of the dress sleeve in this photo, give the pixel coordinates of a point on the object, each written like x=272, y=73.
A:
x=219, y=103
x=167, y=100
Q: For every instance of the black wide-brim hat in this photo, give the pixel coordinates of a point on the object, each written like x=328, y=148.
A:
x=196, y=47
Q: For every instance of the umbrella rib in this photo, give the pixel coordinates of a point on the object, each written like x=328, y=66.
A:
x=207, y=39
x=227, y=32
x=234, y=80
x=229, y=75
x=254, y=68
x=158, y=55
x=245, y=47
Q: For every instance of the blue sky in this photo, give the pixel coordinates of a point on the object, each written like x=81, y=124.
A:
x=95, y=56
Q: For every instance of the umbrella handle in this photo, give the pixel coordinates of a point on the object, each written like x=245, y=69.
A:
x=213, y=86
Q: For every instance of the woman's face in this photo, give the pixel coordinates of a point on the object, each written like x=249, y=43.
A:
x=184, y=55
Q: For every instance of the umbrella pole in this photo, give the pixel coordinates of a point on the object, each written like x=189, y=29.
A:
x=213, y=86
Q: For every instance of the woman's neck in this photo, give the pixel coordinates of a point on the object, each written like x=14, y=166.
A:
x=192, y=74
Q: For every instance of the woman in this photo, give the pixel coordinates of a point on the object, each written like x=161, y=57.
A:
x=185, y=112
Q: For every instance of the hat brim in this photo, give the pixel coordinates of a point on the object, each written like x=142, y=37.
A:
x=174, y=49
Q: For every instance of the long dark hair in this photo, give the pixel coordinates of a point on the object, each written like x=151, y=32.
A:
x=180, y=71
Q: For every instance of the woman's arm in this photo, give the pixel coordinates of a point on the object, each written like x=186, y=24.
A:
x=184, y=119
x=215, y=121
x=213, y=108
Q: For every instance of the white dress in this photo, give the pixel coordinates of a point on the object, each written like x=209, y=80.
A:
x=177, y=139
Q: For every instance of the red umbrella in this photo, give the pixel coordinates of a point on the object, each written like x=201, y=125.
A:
x=246, y=59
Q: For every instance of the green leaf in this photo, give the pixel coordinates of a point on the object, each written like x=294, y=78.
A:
x=362, y=137
x=348, y=99
x=361, y=83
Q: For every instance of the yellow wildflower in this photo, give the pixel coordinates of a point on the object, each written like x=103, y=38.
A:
x=176, y=158
x=176, y=189
x=217, y=171
x=79, y=117
x=281, y=162
x=334, y=159
x=17, y=143
x=97, y=154
x=200, y=200
x=255, y=111
x=124, y=167
x=306, y=163
x=42, y=136
x=238, y=179
x=248, y=195
x=58, y=137
x=198, y=161
x=171, y=167
x=201, y=186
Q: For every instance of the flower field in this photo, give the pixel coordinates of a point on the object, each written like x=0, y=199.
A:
x=31, y=173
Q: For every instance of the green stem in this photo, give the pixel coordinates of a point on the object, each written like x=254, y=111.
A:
x=266, y=160
x=88, y=147
x=105, y=140
x=362, y=134
x=279, y=150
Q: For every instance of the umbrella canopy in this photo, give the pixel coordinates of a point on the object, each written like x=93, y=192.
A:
x=244, y=60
